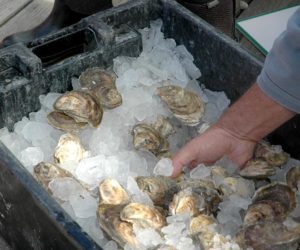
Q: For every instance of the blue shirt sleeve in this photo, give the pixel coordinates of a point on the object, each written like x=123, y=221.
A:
x=280, y=76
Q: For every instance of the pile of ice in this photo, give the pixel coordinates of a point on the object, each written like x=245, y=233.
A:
x=111, y=153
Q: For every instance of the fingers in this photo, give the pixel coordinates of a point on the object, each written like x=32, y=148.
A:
x=187, y=155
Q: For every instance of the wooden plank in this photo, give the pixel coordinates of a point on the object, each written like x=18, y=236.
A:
x=31, y=16
x=10, y=8
x=257, y=7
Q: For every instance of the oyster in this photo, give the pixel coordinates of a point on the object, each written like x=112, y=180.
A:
x=257, y=169
x=118, y=230
x=160, y=189
x=293, y=177
x=44, y=173
x=185, y=202
x=164, y=127
x=203, y=232
x=186, y=106
x=111, y=192
x=143, y=216
x=265, y=210
x=206, y=191
x=69, y=150
x=218, y=171
x=80, y=106
x=274, y=155
x=101, y=84
x=269, y=235
x=64, y=122
x=145, y=137
x=200, y=223
x=278, y=192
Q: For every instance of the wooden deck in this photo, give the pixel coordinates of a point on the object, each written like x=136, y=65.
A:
x=20, y=15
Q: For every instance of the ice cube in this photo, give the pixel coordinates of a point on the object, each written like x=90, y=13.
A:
x=200, y=172
x=75, y=83
x=65, y=187
x=48, y=100
x=91, y=170
x=111, y=245
x=136, y=194
x=148, y=237
x=164, y=167
x=31, y=156
x=84, y=205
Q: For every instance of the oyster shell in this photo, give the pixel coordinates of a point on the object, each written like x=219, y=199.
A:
x=269, y=235
x=293, y=177
x=186, y=106
x=111, y=192
x=160, y=189
x=206, y=190
x=200, y=223
x=118, y=230
x=64, y=122
x=278, y=192
x=44, y=173
x=257, y=169
x=202, y=231
x=69, y=150
x=101, y=85
x=273, y=154
x=143, y=216
x=265, y=210
x=164, y=127
x=145, y=137
x=80, y=106
x=185, y=202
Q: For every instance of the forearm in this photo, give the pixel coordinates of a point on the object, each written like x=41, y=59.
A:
x=254, y=116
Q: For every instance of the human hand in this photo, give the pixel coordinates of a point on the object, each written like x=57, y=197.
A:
x=212, y=145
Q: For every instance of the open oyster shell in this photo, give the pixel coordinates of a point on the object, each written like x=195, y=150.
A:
x=186, y=106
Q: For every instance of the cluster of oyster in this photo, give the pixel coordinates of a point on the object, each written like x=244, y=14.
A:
x=118, y=215
x=153, y=137
x=77, y=108
x=68, y=152
x=267, y=158
x=263, y=226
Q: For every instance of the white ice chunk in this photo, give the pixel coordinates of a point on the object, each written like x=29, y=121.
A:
x=147, y=237
x=200, y=172
x=75, y=83
x=48, y=100
x=31, y=156
x=111, y=245
x=136, y=194
x=164, y=167
x=84, y=205
x=65, y=187
x=91, y=170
